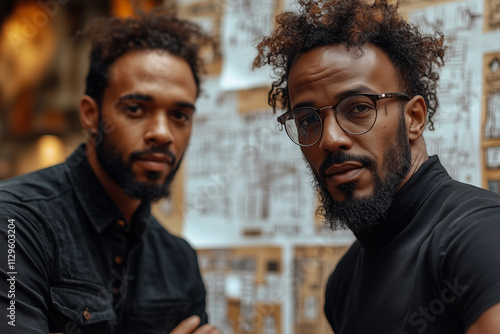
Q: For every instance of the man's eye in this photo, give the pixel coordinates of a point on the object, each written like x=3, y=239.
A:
x=133, y=109
x=306, y=121
x=182, y=116
x=360, y=109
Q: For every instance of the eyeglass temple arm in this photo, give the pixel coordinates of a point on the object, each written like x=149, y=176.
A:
x=281, y=123
x=390, y=95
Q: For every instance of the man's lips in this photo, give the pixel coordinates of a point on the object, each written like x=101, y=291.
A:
x=343, y=173
x=155, y=161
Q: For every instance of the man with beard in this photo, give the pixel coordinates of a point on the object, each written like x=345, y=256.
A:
x=359, y=84
x=85, y=253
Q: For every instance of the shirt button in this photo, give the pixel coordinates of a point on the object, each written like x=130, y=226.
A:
x=86, y=314
x=118, y=259
x=120, y=223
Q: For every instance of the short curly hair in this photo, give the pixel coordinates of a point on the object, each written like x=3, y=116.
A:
x=158, y=29
x=354, y=23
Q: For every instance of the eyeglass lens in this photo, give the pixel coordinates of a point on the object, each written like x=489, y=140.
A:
x=355, y=114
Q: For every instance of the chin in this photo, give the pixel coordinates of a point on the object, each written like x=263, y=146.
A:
x=364, y=194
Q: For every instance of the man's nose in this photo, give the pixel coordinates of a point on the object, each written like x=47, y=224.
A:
x=158, y=131
x=333, y=137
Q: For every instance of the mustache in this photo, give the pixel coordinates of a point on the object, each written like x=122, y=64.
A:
x=154, y=149
x=340, y=157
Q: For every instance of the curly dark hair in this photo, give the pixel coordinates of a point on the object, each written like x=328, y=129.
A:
x=354, y=23
x=158, y=29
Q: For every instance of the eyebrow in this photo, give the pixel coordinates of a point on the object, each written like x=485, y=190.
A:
x=149, y=98
x=136, y=97
x=186, y=105
x=340, y=96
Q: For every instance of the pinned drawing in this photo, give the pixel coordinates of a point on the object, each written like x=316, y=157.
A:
x=312, y=267
x=493, y=157
x=244, y=293
x=456, y=138
x=492, y=17
x=244, y=23
x=491, y=121
x=246, y=179
x=492, y=92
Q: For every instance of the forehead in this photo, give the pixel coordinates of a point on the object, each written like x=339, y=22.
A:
x=150, y=70
x=335, y=70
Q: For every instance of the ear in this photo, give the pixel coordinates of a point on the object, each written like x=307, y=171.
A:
x=89, y=114
x=416, y=117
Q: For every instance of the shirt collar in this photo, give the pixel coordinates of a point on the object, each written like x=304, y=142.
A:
x=406, y=203
x=100, y=209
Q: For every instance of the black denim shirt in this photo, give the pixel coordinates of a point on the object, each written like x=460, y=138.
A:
x=79, y=267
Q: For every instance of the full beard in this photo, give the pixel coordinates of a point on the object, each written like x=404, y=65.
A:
x=110, y=158
x=360, y=215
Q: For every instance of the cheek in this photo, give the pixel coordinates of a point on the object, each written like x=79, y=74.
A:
x=312, y=156
x=379, y=144
x=181, y=140
x=125, y=140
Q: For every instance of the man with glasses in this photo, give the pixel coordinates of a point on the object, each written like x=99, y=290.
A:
x=359, y=85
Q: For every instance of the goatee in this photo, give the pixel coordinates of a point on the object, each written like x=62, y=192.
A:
x=361, y=214
x=111, y=160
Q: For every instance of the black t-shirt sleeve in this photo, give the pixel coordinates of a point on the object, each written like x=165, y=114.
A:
x=24, y=271
x=469, y=263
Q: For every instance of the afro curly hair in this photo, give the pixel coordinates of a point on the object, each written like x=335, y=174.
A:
x=158, y=29
x=354, y=23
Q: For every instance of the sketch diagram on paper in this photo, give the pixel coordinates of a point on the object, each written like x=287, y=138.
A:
x=276, y=196
x=311, y=268
x=493, y=157
x=244, y=289
x=209, y=180
x=492, y=125
x=492, y=88
x=492, y=14
x=456, y=137
x=244, y=23
x=245, y=178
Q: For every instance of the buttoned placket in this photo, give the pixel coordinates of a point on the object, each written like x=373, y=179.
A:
x=119, y=244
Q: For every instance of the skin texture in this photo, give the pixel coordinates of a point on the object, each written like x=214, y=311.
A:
x=326, y=74
x=189, y=326
x=487, y=323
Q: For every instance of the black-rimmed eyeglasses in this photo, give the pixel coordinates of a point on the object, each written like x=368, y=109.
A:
x=355, y=114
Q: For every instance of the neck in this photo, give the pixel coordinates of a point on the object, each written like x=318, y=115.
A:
x=418, y=157
x=125, y=203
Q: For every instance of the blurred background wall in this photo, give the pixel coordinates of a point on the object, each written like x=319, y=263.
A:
x=43, y=68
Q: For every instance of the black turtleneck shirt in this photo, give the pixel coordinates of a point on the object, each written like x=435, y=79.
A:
x=431, y=266
x=70, y=262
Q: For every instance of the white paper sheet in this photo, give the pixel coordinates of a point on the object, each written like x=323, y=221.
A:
x=243, y=26
x=244, y=176
x=456, y=138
